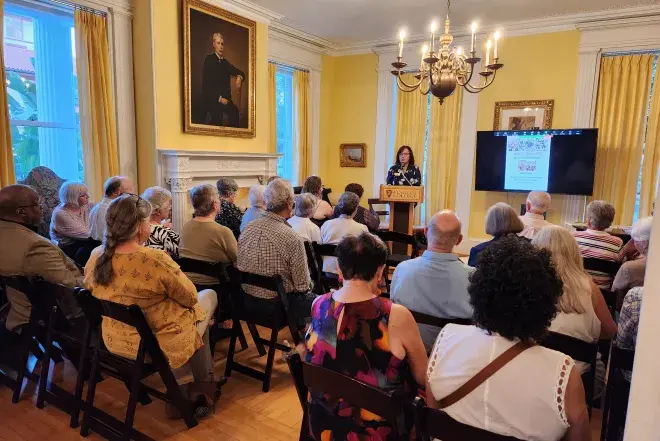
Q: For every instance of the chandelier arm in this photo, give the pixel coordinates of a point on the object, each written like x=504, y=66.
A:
x=469, y=78
x=477, y=89
x=401, y=81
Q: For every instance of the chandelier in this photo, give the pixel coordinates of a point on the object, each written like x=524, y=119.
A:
x=440, y=72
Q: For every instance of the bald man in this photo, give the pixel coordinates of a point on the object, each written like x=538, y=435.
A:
x=436, y=282
x=26, y=253
x=538, y=202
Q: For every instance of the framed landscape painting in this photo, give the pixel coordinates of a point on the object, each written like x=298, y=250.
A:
x=219, y=71
x=523, y=115
x=352, y=155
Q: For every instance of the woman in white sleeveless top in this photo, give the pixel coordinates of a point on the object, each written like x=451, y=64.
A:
x=537, y=396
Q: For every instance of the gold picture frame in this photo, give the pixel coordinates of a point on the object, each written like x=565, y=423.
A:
x=353, y=155
x=213, y=103
x=523, y=115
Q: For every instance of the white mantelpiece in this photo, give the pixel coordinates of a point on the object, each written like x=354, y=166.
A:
x=180, y=170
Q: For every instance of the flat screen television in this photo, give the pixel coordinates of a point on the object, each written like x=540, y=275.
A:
x=556, y=161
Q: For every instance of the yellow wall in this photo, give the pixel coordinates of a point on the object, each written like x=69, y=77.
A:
x=167, y=42
x=536, y=67
x=349, y=90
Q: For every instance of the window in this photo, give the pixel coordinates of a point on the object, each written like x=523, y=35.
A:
x=285, y=123
x=42, y=89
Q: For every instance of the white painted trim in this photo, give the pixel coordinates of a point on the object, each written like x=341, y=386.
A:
x=384, y=129
x=246, y=9
x=315, y=118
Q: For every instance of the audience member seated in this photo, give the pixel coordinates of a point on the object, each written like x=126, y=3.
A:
x=626, y=337
x=334, y=230
x=202, y=238
x=112, y=189
x=501, y=220
x=363, y=216
x=359, y=334
x=69, y=225
x=126, y=272
x=581, y=311
x=26, y=253
x=538, y=202
x=303, y=210
x=269, y=246
x=47, y=185
x=436, y=282
x=538, y=395
x=162, y=236
x=257, y=205
x=631, y=273
x=230, y=215
x=322, y=209
x=596, y=243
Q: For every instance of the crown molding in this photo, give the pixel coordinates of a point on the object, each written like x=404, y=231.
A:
x=247, y=9
x=295, y=37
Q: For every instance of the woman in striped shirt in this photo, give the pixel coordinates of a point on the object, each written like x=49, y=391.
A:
x=162, y=236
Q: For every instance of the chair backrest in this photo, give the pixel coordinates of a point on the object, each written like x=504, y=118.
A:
x=406, y=239
x=217, y=270
x=271, y=283
x=425, y=319
x=312, y=263
x=323, y=250
x=434, y=423
x=622, y=358
x=604, y=266
x=43, y=296
x=387, y=405
x=376, y=201
x=575, y=348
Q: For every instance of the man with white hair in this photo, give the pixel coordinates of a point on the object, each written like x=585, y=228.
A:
x=112, y=189
x=257, y=205
x=538, y=202
x=436, y=282
x=631, y=273
x=269, y=246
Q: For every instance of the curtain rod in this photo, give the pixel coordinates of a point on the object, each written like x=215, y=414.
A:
x=287, y=66
x=77, y=6
x=638, y=52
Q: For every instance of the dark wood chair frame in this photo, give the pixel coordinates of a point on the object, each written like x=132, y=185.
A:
x=616, y=393
x=314, y=269
x=578, y=350
x=434, y=423
x=426, y=319
x=280, y=320
x=135, y=370
x=389, y=405
x=610, y=268
x=328, y=281
x=393, y=260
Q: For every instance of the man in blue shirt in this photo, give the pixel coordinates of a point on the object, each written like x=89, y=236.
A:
x=436, y=282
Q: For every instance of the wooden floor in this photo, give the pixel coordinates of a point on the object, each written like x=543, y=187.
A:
x=244, y=412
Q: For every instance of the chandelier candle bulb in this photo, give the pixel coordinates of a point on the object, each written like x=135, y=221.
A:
x=425, y=49
x=402, y=35
x=488, y=46
x=433, y=28
x=496, y=37
x=474, y=35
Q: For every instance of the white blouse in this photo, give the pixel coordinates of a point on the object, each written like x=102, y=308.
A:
x=306, y=229
x=525, y=399
x=333, y=231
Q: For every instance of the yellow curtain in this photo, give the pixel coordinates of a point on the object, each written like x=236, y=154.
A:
x=7, y=176
x=651, y=156
x=442, y=161
x=623, y=94
x=98, y=127
x=272, y=108
x=303, y=143
x=411, y=108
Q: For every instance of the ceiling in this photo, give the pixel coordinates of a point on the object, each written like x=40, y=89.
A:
x=351, y=21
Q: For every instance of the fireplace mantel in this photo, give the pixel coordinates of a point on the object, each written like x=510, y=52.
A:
x=180, y=170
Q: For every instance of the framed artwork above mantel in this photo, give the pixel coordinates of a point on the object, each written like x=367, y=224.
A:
x=523, y=115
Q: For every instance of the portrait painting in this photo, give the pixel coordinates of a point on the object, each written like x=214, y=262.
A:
x=219, y=71
x=352, y=155
x=523, y=115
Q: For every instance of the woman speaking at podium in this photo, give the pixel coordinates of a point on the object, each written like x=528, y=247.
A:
x=404, y=171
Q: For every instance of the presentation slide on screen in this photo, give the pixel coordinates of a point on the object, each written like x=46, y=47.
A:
x=527, y=162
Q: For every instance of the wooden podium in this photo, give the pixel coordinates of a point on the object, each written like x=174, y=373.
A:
x=402, y=200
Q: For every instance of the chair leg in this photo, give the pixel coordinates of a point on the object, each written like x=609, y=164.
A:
x=257, y=339
x=134, y=395
x=232, y=347
x=91, y=391
x=45, y=361
x=241, y=339
x=80, y=379
x=270, y=360
x=22, y=364
x=174, y=392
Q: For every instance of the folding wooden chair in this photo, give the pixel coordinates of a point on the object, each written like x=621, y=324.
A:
x=388, y=405
x=434, y=423
x=578, y=350
x=134, y=370
x=426, y=319
x=314, y=270
x=279, y=320
x=616, y=395
x=394, y=259
x=328, y=280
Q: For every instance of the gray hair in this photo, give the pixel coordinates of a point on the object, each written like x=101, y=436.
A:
x=226, y=187
x=123, y=218
x=348, y=203
x=278, y=194
x=600, y=214
x=305, y=205
x=70, y=192
x=256, y=196
x=202, y=198
x=641, y=232
x=112, y=185
x=157, y=197
x=502, y=219
x=539, y=200
x=217, y=34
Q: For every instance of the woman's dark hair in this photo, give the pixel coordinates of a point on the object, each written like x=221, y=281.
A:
x=515, y=289
x=359, y=257
x=312, y=185
x=355, y=188
x=411, y=161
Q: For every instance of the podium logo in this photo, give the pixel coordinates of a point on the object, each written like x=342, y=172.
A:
x=389, y=193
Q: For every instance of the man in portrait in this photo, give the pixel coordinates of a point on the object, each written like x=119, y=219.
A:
x=216, y=86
